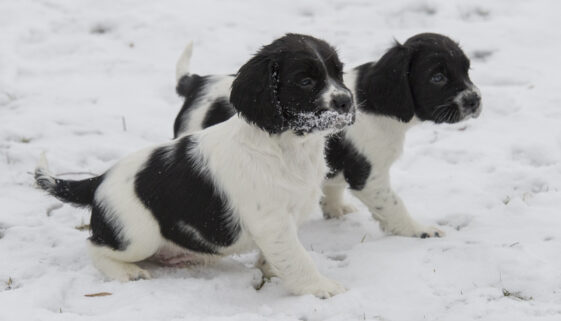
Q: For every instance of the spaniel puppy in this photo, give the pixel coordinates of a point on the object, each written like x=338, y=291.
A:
x=246, y=182
x=424, y=79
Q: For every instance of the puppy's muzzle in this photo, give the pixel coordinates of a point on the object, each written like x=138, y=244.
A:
x=471, y=103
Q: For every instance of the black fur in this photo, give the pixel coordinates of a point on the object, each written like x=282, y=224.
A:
x=190, y=87
x=383, y=87
x=255, y=94
x=174, y=188
x=79, y=193
x=268, y=90
x=221, y=110
x=399, y=84
x=342, y=156
x=106, y=229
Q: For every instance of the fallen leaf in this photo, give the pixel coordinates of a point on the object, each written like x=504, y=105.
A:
x=91, y=295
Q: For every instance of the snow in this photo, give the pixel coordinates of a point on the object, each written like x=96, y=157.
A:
x=308, y=122
x=91, y=81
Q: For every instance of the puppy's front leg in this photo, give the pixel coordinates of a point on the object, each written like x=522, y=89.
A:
x=264, y=267
x=332, y=203
x=388, y=209
x=277, y=238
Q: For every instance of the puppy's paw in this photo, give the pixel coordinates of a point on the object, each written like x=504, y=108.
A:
x=322, y=288
x=266, y=269
x=429, y=231
x=131, y=272
x=336, y=210
x=415, y=230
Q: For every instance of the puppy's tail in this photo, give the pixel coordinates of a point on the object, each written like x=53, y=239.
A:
x=182, y=66
x=80, y=193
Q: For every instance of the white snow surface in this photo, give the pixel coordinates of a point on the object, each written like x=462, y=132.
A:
x=89, y=81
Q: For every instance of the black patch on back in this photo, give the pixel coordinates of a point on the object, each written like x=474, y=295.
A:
x=173, y=188
x=221, y=110
x=190, y=87
x=105, y=231
x=342, y=156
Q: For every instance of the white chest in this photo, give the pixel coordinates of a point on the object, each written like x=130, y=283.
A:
x=264, y=174
x=380, y=139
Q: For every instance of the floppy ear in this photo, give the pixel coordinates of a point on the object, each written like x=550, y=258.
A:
x=387, y=90
x=255, y=94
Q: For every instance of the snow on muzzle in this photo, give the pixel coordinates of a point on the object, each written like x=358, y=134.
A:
x=323, y=120
x=469, y=102
x=338, y=111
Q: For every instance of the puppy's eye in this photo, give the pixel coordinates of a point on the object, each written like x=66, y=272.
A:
x=306, y=82
x=438, y=79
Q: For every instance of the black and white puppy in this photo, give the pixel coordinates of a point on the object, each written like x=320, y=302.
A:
x=246, y=182
x=424, y=79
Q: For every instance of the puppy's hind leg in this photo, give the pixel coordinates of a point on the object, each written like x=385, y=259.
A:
x=116, y=243
x=109, y=262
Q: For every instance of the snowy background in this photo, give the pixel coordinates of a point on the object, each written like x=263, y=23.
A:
x=89, y=81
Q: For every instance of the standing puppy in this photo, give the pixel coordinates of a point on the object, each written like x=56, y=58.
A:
x=425, y=79
x=248, y=181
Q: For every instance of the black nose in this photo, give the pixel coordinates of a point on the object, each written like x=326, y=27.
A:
x=341, y=103
x=471, y=101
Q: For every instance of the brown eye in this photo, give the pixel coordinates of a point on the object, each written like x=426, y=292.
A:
x=438, y=79
x=306, y=82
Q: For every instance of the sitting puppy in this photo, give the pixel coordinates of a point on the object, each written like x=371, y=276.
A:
x=426, y=78
x=248, y=181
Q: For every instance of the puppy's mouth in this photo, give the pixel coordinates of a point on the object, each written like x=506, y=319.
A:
x=452, y=113
x=472, y=114
x=321, y=120
x=447, y=113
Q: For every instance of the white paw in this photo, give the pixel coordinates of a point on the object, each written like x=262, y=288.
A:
x=336, y=210
x=322, y=288
x=429, y=231
x=128, y=272
x=417, y=230
x=266, y=269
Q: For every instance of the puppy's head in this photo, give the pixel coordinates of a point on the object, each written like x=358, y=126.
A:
x=295, y=83
x=428, y=77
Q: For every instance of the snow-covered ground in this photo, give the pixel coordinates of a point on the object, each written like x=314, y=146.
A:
x=89, y=81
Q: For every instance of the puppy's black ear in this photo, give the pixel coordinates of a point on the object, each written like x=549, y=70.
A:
x=384, y=87
x=255, y=93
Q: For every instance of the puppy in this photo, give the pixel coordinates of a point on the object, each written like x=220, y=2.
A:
x=425, y=79
x=246, y=182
